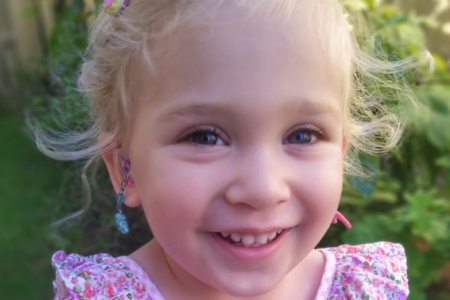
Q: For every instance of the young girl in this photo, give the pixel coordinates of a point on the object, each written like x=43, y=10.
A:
x=231, y=123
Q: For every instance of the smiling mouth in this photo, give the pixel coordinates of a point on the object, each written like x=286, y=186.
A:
x=250, y=240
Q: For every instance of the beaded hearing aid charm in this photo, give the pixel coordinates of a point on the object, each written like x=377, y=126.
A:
x=115, y=7
x=340, y=217
x=121, y=219
x=125, y=167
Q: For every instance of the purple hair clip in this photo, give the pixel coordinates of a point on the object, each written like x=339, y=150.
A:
x=115, y=7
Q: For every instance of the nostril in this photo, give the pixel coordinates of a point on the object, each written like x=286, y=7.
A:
x=258, y=195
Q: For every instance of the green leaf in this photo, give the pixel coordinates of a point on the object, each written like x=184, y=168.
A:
x=355, y=5
x=77, y=289
x=369, y=229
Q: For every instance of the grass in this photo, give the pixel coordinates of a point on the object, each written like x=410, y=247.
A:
x=37, y=191
x=28, y=183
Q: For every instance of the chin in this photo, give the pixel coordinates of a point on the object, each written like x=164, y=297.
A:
x=251, y=287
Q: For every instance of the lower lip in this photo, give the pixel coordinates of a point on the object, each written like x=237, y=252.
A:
x=252, y=254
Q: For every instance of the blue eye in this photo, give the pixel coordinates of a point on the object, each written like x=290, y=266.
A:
x=299, y=137
x=303, y=136
x=205, y=137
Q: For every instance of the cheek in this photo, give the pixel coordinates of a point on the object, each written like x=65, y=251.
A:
x=173, y=192
x=176, y=201
x=322, y=188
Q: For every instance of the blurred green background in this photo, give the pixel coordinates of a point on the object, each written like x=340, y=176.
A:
x=406, y=198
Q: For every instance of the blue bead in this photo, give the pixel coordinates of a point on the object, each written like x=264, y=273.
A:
x=122, y=223
x=120, y=198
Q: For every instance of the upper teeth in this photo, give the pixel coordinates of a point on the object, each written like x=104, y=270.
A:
x=249, y=240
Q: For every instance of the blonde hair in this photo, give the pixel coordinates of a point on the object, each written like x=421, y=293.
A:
x=117, y=42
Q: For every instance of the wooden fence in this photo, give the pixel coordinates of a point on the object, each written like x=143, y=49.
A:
x=24, y=28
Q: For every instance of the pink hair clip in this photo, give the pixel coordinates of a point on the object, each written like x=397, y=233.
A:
x=115, y=7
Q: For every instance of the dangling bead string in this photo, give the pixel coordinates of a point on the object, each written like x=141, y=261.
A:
x=340, y=217
x=121, y=219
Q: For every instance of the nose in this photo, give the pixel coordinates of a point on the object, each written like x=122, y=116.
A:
x=260, y=180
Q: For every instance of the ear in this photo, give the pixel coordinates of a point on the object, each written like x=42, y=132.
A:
x=345, y=144
x=112, y=159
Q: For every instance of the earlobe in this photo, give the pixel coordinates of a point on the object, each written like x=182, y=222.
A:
x=345, y=144
x=118, y=168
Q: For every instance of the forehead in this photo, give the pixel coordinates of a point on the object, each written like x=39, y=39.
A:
x=231, y=55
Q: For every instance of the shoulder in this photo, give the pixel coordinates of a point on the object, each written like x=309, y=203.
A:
x=100, y=276
x=364, y=271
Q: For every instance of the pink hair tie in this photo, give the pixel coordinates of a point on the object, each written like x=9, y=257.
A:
x=340, y=217
x=115, y=7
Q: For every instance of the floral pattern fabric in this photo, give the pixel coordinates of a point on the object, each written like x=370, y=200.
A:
x=370, y=271
x=101, y=277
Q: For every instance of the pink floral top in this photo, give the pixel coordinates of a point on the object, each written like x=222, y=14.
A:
x=370, y=271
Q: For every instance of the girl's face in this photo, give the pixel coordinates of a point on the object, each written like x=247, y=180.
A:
x=238, y=155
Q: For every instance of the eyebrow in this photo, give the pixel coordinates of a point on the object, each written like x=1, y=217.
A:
x=311, y=107
x=307, y=107
x=195, y=109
